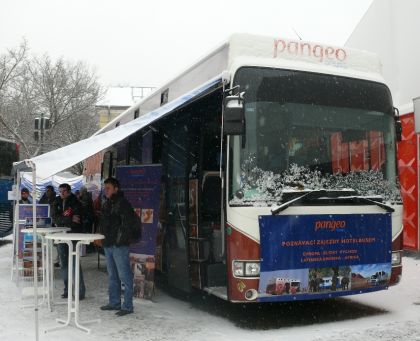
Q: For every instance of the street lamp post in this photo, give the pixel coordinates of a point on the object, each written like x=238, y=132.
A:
x=42, y=124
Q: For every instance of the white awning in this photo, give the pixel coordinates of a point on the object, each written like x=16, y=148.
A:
x=51, y=163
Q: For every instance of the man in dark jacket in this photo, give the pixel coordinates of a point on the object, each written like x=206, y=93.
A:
x=67, y=213
x=49, y=196
x=118, y=220
x=85, y=199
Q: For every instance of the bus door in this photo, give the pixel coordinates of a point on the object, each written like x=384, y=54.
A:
x=211, y=215
x=175, y=146
x=208, y=269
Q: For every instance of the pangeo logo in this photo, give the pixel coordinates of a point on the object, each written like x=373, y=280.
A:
x=330, y=225
x=304, y=49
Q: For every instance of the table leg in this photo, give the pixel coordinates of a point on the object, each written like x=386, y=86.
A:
x=14, y=251
x=45, y=266
x=70, y=309
x=48, y=270
x=70, y=283
x=43, y=260
x=51, y=266
x=76, y=254
x=77, y=287
x=44, y=279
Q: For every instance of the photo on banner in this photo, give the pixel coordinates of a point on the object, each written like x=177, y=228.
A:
x=141, y=187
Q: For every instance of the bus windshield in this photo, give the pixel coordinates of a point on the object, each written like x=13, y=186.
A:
x=307, y=131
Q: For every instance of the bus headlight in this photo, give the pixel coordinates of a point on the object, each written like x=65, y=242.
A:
x=238, y=269
x=396, y=258
x=252, y=269
x=246, y=269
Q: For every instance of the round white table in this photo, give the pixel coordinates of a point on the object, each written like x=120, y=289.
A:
x=47, y=261
x=69, y=238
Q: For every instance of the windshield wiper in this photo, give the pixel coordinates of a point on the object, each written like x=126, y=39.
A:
x=357, y=199
x=317, y=194
x=287, y=204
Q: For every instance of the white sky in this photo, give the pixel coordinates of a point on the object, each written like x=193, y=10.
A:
x=138, y=42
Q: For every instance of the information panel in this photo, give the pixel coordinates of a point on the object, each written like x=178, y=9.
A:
x=321, y=256
x=141, y=187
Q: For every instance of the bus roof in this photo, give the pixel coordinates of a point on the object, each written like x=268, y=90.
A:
x=252, y=50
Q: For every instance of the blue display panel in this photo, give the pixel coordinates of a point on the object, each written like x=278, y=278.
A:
x=322, y=256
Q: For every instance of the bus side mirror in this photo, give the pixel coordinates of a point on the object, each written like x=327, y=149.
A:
x=234, y=115
x=398, y=125
x=398, y=129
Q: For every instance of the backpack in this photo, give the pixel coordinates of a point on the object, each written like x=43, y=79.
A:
x=130, y=224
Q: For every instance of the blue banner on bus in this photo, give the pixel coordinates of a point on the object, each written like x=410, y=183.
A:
x=322, y=256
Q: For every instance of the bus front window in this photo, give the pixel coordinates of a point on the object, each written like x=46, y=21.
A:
x=312, y=131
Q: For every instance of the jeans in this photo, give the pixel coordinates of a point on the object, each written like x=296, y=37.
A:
x=119, y=271
x=63, y=255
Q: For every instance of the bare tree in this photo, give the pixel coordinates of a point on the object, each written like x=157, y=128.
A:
x=10, y=63
x=12, y=69
x=61, y=91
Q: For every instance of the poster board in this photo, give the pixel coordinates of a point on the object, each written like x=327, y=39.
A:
x=25, y=241
x=25, y=212
x=141, y=187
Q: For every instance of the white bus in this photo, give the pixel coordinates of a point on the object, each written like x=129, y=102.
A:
x=286, y=119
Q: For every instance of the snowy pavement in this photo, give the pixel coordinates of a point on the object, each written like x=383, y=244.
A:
x=385, y=315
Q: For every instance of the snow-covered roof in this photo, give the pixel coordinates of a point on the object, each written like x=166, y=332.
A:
x=123, y=96
x=243, y=49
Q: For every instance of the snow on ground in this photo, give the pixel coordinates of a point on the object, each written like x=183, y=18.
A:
x=386, y=315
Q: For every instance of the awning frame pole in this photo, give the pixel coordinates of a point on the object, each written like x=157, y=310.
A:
x=15, y=246
x=35, y=248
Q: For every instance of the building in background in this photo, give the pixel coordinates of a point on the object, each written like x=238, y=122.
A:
x=117, y=99
x=391, y=29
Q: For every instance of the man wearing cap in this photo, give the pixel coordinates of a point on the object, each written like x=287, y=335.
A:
x=24, y=196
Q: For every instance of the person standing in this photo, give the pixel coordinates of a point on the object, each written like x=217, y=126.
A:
x=48, y=197
x=85, y=199
x=24, y=196
x=121, y=226
x=67, y=213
